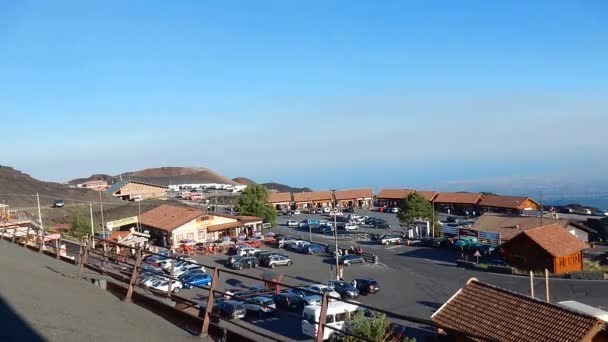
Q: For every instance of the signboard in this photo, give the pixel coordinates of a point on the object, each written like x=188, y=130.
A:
x=122, y=222
x=449, y=230
x=467, y=232
x=489, y=235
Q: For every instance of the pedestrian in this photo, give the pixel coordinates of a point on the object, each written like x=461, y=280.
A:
x=354, y=283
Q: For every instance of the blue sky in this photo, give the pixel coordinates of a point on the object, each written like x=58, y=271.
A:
x=316, y=93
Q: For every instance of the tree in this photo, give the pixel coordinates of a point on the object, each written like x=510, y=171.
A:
x=375, y=328
x=80, y=225
x=415, y=208
x=254, y=202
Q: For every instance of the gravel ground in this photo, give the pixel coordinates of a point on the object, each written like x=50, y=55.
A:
x=41, y=300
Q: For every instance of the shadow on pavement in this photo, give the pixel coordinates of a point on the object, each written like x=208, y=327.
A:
x=13, y=327
x=432, y=305
x=438, y=254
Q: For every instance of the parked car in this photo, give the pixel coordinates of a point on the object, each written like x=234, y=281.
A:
x=390, y=239
x=296, y=212
x=247, y=251
x=263, y=257
x=229, y=309
x=309, y=298
x=298, y=245
x=326, y=210
x=382, y=225
x=201, y=279
x=394, y=210
x=366, y=285
x=260, y=305
x=345, y=289
x=313, y=248
x=336, y=213
x=326, y=229
x=350, y=259
x=497, y=262
x=58, y=204
x=285, y=241
x=163, y=286
x=462, y=242
x=350, y=226
x=319, y=211
x=292, y=223
x=245, y=262
x=322, y=289
x=184, y=277
x=187, y=268
x=484, y=249
x=349, y=210
x=441, y=242
x=277, y=260
x=289, y=302
x=600, y=213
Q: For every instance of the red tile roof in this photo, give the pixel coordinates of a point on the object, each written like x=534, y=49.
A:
x=224, y=226
x=354, y=194
x=248, y=219
x=119, y=235
x=394, y=193
x=279, y=197
x=510, y=202
x=312, y=196
x=458, y=198
x=428, y=195
x=555, y=240
x=491, y=313
x=510, y=225
x=169, y=217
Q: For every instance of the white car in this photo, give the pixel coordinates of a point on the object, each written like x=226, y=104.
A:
x=353, y=217
x=326, y=210
x=260, y=305
x=350, y=226
x=389, y=239
x=394, y=210
x=186, y=268
x=292, y=223
x=321, y=289
x=247, y=251
x=296, y=212
x=148, y=281
x=336, y=213
x=163, y=286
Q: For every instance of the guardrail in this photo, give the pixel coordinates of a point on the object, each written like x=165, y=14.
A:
x=97, y=253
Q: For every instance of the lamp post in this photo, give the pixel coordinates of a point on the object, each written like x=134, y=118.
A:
x=333, y=192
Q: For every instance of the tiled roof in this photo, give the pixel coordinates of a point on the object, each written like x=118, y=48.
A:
x=248, y=219
x=509, y=225
x=491, y=313
x=394, y=193
x=555, y=240
x=428, y=195
x=224, y=226
x=312, y=196
x=119, y=235
x=511, y=202
x=169, y=217
x=354, y=194
x=458, y=198
x=279, y=197
x=118, y=185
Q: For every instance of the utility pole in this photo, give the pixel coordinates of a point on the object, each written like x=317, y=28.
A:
x=547, y=284
x=92, y=229
x=542, y=213
x=531, y=284
x=103, y=224
x=336, y=234
x=41, y=226
x=433, y=218
x=138, y=216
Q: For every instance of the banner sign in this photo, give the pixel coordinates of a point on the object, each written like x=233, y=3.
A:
x=122, y=222
x=489, y=235
x=467, y=232
x=449, y=230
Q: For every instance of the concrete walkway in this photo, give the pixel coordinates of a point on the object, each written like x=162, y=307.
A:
x=41, y=300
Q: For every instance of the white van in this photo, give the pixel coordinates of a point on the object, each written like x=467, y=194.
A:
x=337, y=314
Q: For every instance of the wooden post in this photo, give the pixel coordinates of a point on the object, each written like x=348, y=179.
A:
x=14, y=233
x=171, y=274
x=210, y=301
x=547, y=284
x=27, y=235
x=134, y=276
x=531, y=284
x=84, y=257
x=322, y=319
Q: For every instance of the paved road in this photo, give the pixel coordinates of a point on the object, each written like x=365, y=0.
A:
x=41, y=300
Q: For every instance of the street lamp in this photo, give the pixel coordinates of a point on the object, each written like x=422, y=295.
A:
x=333, y=192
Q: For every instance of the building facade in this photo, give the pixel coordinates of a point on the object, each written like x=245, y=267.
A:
x=134, y=191
x=355, y=198
x=393, y=197
x=507, y=204
x=280, y=200
x=312, y=200
x=458, y=203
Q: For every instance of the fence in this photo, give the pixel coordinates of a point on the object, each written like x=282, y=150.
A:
x=98, y=253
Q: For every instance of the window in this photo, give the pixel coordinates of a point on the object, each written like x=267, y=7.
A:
x=190, y=236
x=201, y=234
x=341, y=317
x=330, y=319
x=309, y=317
x=179, y=237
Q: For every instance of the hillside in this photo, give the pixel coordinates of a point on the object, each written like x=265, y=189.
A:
x=18, y=190
x=284, y=188
x=177, y=175
x=105, y=177
x=244, y=181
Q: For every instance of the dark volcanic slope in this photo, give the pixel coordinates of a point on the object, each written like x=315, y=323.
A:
x=284, y=188
x=177, y=175
x=105, y=177
x=244, y=181
x=18, y=190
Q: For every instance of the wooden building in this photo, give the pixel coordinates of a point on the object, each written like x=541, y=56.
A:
x=548, y=247
x=482, y=312
x=458, y=203
x=131, y=190
x=280, y=200
x=355, y=198
x=507, y=204
x=393, y=197
x=313, y=200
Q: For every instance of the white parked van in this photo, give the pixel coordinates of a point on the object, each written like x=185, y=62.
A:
x=337, y=314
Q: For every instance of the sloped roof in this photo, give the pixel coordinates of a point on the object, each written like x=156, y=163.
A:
x=169, y=217
x=394, y=193
x=248, y=219
x=510, y=202
x=312, y=196
x=555, y=240
x=224, y=226
x=119, y=235
x=354, y=194
x=458, y=197
x=493, y=313
x=428, y=195
x=279, y=197
x=118, y=185
x=510, y=225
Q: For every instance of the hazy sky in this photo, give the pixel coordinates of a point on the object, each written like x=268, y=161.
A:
x=317, y=93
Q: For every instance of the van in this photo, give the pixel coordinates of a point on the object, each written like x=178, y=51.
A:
x=337, y=315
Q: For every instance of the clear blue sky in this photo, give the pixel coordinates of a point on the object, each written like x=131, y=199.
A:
x=317, y=93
